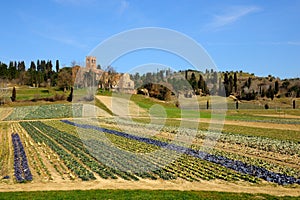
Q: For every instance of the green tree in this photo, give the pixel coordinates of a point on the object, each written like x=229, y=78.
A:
x=32, y=74
x=276, y=90
x=13, y=95
x=235, y=82
x=3, y=71
x=64, y=79
x=270, y=93
x=285, y=84
x=230, y=84
x=70, y=97
x=21, y=66
x=193, y=81
x=294, y=104
x=200, y=82
x=249, y=82
x=57, y=66
x=12, y=71
x=225, y=79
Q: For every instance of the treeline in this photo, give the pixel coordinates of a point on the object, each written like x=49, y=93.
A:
x=242, y=85
x=41, y=73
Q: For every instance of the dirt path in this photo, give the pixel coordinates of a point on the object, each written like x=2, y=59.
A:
x=5, y=112
x=281, y=115
x=295, y=127
x=154, y=185
x=93, y=111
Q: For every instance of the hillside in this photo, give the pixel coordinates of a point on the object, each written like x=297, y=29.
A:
x=242, y=85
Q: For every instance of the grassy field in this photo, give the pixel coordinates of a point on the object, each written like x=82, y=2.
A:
x=28, y=93
x=135, y=194
x=246, y=109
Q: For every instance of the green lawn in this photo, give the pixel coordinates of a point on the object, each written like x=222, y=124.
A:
x=26, y=93
x=247, y=111
x=134, y=194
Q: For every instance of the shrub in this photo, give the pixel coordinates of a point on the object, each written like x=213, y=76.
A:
x=59, y=97
x=266, y=106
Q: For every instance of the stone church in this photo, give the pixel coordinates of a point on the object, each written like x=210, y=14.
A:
x=121, y=82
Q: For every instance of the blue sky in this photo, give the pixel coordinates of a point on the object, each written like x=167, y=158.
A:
x=262, y=37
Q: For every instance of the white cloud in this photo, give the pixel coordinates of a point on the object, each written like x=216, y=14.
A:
x=123, y=7
x=292, y=43
x=62, y=39
x=231, y=15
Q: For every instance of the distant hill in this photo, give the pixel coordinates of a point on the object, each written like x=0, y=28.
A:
x=242, y=85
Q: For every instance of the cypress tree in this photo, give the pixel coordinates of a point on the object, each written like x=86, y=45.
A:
x=230, y=84
x=276, y=90
x=201, y=83
x=193, y=81
x=235, y=82
x=225, y=79
x=263, y=94
x=249, y=82
x=57, y=66
x=13, y=95
x=70, y=97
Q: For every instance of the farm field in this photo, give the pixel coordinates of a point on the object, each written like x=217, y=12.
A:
x=62, y=147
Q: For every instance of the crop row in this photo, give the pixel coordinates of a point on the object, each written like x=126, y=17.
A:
x=266, y=144
x=115, y=160
x=179, y=166
x=162, y=163
x=34, y=155
x=68, y=160
x=236, y=165
x=46, y=112
x=4, y=151
x=76, y=148
x=21, y=168
x=271, y=166
x=121, y=153
x=287, y=150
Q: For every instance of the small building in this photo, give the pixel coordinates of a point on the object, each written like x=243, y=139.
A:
x=125, y=84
